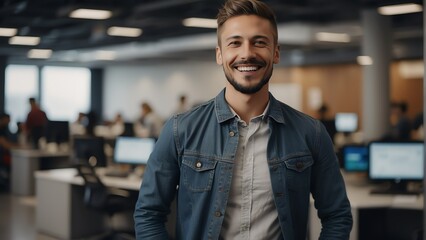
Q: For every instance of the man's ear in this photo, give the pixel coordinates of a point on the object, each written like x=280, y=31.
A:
x=277, y=54
x=218, y=56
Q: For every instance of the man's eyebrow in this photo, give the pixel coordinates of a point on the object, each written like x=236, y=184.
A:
x=233, y=37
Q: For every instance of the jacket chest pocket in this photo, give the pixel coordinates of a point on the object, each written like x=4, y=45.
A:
x=198, y=173
x=298, y=170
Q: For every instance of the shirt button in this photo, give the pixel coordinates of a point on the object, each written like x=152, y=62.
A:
x=217, y=214
x=299, y=165
x=198, y=164
x=231, y=134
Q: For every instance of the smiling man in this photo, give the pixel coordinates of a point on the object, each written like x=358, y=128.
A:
x=243, y=165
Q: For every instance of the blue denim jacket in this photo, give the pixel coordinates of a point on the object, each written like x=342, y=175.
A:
x=193, y=161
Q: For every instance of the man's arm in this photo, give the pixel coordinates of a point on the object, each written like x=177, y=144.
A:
x=328, y=190
x=158, y=188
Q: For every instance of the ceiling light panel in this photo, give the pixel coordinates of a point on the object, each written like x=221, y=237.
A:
x=400, y=9
x=200, y=22
x=24, y=40
x=364, y=60
x=96, y=14
x=332, y=37
x=39, y=53
x=8, y=32
x=124, y=31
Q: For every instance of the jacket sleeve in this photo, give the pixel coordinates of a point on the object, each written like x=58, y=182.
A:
x=328, y=189
x=158, y=188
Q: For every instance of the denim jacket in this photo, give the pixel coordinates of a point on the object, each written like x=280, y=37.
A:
x=193, y=161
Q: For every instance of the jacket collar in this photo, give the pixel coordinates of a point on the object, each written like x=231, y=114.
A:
x=224, y=113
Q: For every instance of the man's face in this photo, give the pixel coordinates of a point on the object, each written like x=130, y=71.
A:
x=247, y=52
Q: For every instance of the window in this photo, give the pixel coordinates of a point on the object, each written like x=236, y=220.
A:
x=21, y=83
x=65, y=92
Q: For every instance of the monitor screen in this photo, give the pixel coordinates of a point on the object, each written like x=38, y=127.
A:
x=355, y=158
x=85, y=147
x=346, y=122
x=57, y=132
x=133, y=150
x=396, y=161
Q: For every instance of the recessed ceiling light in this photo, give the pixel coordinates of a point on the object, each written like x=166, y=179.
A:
x=200, y=22
x=400, y=9
x=24, y=40
x=39, y=53
x=91, y=14
x=124, y=31
x=332, y=37
x=364, y=60
x=8, y=32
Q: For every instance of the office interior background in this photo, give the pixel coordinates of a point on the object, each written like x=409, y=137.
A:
x=354, y=56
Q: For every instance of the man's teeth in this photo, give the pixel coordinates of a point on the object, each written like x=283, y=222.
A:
x=246, y=69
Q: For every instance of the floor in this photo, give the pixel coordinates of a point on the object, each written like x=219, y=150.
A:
x=17, y=218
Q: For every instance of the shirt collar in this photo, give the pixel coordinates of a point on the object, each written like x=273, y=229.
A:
x=224, y=112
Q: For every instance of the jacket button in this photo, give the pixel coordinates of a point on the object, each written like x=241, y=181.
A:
x=231, y=134
x=198, y=164
x=217, y=214
x=299, y=165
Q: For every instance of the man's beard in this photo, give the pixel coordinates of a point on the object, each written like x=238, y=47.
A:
x=250, y=89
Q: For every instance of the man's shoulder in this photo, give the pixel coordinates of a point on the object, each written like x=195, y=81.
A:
x=293, y=114
x=198, y=110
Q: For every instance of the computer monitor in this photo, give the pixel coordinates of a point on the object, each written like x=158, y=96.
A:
x=355, y=158
x=87, y=147
x=346, y=122
x=396, y=163
x=133, y=150
x=57, y=132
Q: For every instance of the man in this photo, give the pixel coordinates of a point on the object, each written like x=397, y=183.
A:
x=35, y=123
x=243, y=165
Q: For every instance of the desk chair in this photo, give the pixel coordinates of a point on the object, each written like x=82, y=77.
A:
x=104, y=199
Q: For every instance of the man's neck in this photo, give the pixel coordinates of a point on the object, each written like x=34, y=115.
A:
x=247, y=106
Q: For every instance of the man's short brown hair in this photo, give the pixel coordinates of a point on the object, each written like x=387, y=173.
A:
x=233, y=8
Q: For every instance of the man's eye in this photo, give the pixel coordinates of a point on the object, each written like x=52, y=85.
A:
x=260, y=43
x=233, y=43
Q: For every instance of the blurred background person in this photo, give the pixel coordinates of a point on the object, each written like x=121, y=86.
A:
x=400, y=123
x=78, y=127
x=182, y=104
x=417, y=132
x=329, y=122
x=149, y=123
x=7, y=142
x=117, y=125
x=35, y=123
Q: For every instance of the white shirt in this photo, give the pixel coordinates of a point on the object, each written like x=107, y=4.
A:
x=251, y=211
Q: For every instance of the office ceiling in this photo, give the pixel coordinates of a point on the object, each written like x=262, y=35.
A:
x=165, y=38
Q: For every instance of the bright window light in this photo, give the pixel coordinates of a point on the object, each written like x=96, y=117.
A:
x=8, y=32
x=65, y=91
x=39, y=53
x=21, y=84
x=24, y=40
x=200, y=22
x=364, y=60
x=124, y=31
x=400, y=9
x=332, y=37
x=91, y=14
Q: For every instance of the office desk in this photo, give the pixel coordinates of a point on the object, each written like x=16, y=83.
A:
x=26, y=161
x=363, y=202
x=60, y=208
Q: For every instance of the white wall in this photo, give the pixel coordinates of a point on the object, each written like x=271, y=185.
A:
x=125, y=87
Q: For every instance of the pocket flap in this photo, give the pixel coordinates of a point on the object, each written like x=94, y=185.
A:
x=299, y=164
x=199, y=164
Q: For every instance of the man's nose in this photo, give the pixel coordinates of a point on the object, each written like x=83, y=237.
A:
x=247, y=51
